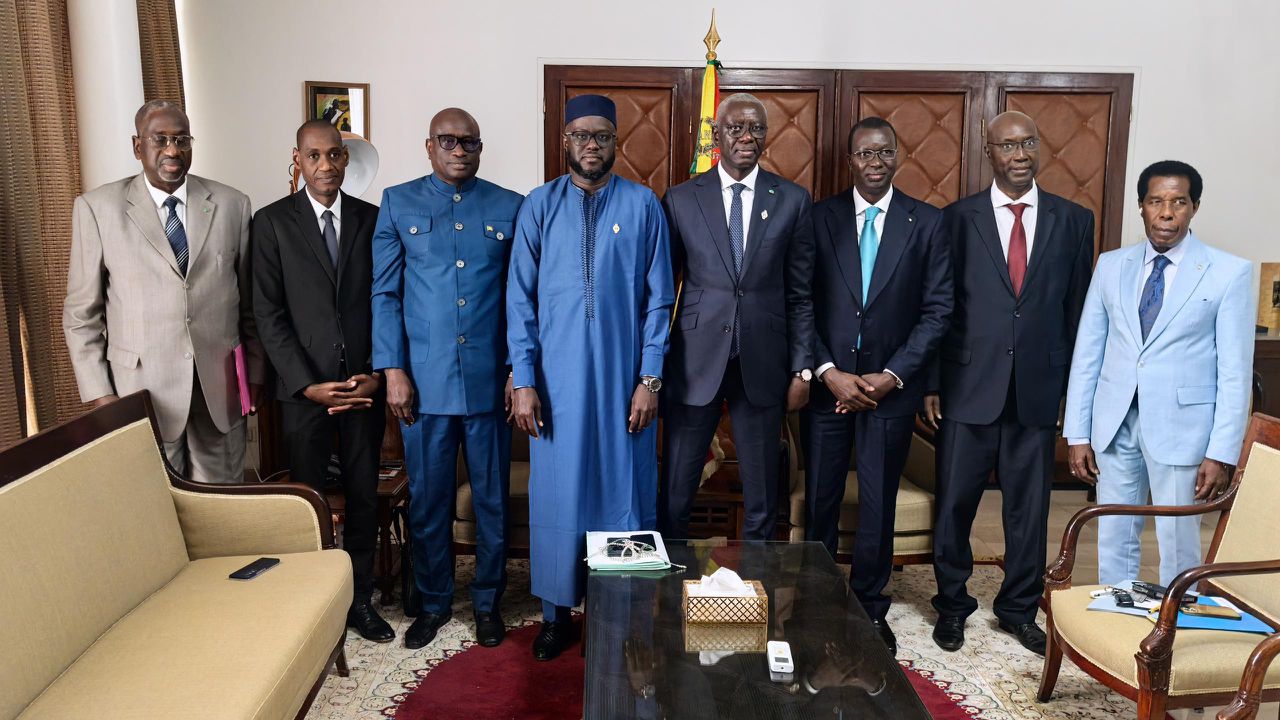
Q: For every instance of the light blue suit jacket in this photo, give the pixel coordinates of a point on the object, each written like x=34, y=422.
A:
x=1193, y=374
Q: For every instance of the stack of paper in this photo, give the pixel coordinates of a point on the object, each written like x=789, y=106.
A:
x=609, y=551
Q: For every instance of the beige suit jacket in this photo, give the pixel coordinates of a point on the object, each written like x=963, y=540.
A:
x=132, y=321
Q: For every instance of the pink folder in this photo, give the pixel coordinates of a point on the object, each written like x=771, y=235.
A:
x=242, y=379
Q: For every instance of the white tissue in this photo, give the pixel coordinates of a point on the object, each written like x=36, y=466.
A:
x=722, y=583
x=711, y=657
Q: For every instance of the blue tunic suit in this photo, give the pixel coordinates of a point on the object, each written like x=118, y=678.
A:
x=588, y=305
x=440, y=257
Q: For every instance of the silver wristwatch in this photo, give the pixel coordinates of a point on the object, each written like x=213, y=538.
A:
x=651, y=383
x=805, y=375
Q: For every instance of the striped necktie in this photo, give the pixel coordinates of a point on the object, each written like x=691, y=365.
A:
x=176, y=233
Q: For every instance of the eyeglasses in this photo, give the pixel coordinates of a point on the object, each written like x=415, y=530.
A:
x=182, y=142
x=885, y=154
x=582, y=137
x=449, y=142
x=757, y=131
x=1031, y=144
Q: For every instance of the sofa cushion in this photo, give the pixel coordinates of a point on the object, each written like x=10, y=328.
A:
x=83, y=540
x=210, y=647
x=914, y=507
x=517, y=497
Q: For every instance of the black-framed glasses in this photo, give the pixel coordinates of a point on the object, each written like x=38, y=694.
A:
x=757, y=131
x=1031, y=144
x=885, y=154
x=582, y=137
x=182, y=142
x=449, y=142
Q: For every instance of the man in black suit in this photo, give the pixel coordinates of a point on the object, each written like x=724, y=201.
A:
x=882, y=302
x=742, y=242
x=1021, y=259
x=312, y=270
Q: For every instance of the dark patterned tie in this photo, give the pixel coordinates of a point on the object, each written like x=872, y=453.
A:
x=1152, y=296
x=176, y=233
x=330, y=237
x=737, y=241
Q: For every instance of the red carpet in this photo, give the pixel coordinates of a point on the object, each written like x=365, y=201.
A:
x=506, y=682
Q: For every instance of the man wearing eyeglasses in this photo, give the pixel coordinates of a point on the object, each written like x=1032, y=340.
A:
x=588, y=304
x=742, y=242
x=1021, y=258
x=440, y=254
x=883, y=298
x=159, y=296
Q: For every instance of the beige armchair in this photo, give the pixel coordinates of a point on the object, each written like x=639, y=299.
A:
x=1160, y=667
x=464, y=521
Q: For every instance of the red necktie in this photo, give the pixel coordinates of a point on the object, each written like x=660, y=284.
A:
x=1017, y=249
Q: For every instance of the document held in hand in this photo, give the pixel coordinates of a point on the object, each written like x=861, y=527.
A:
x=242, y=379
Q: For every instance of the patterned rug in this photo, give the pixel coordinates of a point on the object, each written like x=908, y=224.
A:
x=991, y=678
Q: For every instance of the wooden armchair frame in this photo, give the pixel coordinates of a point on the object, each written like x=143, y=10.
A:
x=1249, y=696
x=1154, y=654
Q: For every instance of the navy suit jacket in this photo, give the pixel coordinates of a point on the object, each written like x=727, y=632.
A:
x=909, y=303
x=774, y=291
x=992, y=327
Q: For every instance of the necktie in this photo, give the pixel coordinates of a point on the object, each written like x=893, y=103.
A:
x=868, y=247
x=176, y=233
x=737, y=241
x=1017, y=248
x=330, y=237
x=1152, y=296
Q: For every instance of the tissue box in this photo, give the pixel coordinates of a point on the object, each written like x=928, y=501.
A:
x=724, y=609
x=722, y=637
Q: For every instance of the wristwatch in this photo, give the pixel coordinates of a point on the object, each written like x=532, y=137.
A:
x=806, y=375
x=651, y=383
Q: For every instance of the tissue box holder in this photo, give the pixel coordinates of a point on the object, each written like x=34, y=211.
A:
x=715, y=622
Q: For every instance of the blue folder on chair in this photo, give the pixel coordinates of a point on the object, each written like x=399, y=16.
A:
x=1246, y=623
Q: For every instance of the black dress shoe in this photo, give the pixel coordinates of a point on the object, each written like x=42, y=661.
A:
x=1029, y=634
x=489, y=629
x=554, y=638
x=881, y=627
x=424, y=629
x=948, y=632
x=369, y=623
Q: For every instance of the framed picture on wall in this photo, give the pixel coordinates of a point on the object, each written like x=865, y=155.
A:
x=345, y=105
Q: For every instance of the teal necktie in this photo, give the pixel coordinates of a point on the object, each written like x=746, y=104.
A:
x=868, y=246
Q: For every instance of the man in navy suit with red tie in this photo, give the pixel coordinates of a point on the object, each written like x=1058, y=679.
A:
x=1022, y=260
x=882, y=303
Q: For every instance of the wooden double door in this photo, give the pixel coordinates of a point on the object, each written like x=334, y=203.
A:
x=940, y=118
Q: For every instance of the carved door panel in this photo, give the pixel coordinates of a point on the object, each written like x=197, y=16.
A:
x=654, y=145
x=934, y=116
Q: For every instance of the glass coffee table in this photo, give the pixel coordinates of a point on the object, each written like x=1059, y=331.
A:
x=643, y=662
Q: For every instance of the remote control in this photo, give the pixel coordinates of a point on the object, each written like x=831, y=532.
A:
x=779, y=654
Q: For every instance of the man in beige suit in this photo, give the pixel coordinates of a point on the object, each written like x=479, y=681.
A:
x=158, y=296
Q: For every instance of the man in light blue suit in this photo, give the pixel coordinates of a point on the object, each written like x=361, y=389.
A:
x=1160, y=378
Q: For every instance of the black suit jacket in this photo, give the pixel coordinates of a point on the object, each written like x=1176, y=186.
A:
x=909, y=304
x=310, y=317
x=995, y=334
x=776, y=321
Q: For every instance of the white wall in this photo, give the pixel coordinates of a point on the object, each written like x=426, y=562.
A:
x=1205, y=90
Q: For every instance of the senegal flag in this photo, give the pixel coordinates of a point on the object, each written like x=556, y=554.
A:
x=705, y=152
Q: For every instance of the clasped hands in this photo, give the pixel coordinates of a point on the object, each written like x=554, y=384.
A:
x=339, y=396
x=856, y=393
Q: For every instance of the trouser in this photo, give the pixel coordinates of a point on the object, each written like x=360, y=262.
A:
x=882, y=445
x=308, y=434
x=687, y=433
x=204, y=453
x=1022, y=458
x=431, y=458
x=1126, y=474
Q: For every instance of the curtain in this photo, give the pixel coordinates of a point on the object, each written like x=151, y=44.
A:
x=161, y=60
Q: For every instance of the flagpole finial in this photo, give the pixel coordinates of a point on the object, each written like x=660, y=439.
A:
x=712, y=39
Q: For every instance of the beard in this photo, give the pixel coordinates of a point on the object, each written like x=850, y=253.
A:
x=594, y=175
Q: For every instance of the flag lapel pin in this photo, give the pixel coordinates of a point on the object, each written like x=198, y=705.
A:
x=616, y=229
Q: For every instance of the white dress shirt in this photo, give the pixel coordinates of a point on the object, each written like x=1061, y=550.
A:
x=159, y=196
x=319, y=210
x=1174, y=254
x=1004, y=216
x=860, y=206
x=748, y=198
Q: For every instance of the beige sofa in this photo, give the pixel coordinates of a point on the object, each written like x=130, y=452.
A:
x=114, y=597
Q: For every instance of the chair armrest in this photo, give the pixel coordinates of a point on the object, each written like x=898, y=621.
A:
x=1160, y=642
x=1058, y=575
x=1245, y=704
x=922, y=466
x=251, y=519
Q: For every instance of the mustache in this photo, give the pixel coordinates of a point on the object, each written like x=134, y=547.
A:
x=592, y=175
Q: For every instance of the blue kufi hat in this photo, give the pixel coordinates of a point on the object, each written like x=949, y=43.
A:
x=587, y=105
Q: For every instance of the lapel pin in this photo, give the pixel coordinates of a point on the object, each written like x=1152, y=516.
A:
x=1199, y=266
x=910, y=219
x=764, y=214
x=206, y=210
x=488, y=228
x=771, y=192
x=616, y=229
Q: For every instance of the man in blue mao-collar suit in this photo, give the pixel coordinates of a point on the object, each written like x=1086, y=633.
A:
x=440, y=255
